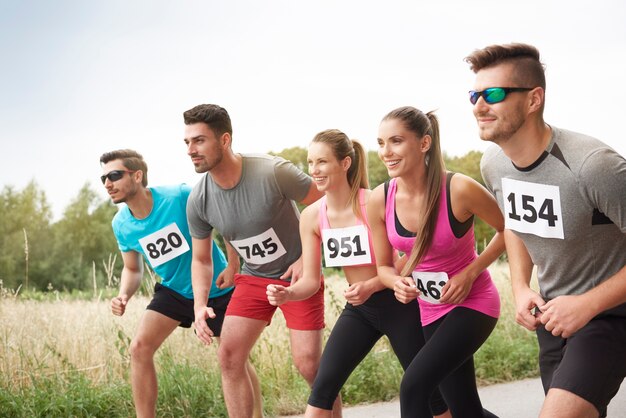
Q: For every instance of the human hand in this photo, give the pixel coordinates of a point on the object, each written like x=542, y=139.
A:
x=226, y=278
x=405, y=290
x=118, y=304
x=294, y=271
x=525, y=301
x=564, y=315
x=202, y=330
x=277, y=294
x=358, y=293
x=457, y=288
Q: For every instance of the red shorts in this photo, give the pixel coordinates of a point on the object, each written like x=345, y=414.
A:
x=249, y=300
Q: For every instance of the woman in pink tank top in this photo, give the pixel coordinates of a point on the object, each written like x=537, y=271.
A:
x=428, y=214
x=337, y=223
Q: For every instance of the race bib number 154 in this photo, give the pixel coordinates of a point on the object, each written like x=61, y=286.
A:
x=532, y=208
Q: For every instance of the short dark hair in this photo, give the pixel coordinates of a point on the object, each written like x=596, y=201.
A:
x=529, y=71
x=131, y=159
x=216, y=117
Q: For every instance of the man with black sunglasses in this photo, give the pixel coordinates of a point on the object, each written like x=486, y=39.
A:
x=563, y=195
x=153, y=223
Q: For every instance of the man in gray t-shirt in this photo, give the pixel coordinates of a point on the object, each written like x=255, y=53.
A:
x=250, y=200
x=563, y=196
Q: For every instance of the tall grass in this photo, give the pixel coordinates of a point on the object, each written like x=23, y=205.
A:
x=60, y=357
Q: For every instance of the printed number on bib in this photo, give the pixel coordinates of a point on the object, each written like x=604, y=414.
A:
x=430, y=284
x=164, y=245
x=532, y=208
x=346, y=246
x=261, y=249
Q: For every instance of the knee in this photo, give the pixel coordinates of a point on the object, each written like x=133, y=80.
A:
x=414, y=386
x=230, y=360
x=141, y=350
x=307, y=366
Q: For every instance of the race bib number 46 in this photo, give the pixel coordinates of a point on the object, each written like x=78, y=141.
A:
x=261, y=249
x=430, y=284
x=164, y=245
x=346, y=246
x=532, y=208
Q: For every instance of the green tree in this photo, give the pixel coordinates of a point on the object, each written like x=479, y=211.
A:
x=297, y=155
x=24, y=235
x=376, y=169
x=81, y=238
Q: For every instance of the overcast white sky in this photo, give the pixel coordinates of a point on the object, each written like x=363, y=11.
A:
x=78, y=78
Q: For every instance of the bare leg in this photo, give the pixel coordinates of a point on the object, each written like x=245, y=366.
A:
x=256, y=389
x=238, y=336
x=306, y=350
x=563, y=404
x=153, y=329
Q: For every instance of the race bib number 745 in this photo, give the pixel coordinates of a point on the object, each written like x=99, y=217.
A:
x=532, y=208
x=260, y=249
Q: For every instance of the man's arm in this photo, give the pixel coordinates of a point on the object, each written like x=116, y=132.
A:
x=564, y=315
x=312, y=195
x=521, y=267
x=130, y=280
x=227, y=277
x=201, y=278
x=603, y=182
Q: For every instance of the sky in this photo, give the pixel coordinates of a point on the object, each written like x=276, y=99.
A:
x=80, y=78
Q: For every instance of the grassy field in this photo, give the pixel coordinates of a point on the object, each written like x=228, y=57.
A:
x=62, y=357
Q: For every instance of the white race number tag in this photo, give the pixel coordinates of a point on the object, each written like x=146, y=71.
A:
x=430, y=284
x=261, y=249
x=346, y=246
x=164, y=245
x=532, y=208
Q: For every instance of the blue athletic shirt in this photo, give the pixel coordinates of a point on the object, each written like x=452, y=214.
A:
x=164, y=241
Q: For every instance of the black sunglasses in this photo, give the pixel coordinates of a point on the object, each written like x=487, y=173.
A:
x=114, y=175
x=494, y=94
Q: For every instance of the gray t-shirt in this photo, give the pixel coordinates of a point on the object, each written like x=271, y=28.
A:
x=569, y=208
x=258, y=216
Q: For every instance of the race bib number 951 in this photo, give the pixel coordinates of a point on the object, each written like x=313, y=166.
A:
x=346, y=246
x=532, y=208
x=164, y=245
x=261, y=249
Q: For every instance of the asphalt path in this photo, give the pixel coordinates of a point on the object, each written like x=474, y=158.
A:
x=520, y=399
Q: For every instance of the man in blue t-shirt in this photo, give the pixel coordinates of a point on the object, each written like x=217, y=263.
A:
x=153, y=224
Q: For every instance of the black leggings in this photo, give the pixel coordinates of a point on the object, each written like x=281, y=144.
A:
x=355, y=333
x=447, y=361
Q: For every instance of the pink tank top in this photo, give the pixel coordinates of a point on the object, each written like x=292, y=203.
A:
x=447, y=255
x=349, y=248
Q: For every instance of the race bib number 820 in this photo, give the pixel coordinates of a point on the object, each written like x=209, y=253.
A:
x=532, y=208
x=164, y=245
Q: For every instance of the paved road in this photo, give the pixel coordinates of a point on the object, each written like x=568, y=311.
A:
x=521, y=399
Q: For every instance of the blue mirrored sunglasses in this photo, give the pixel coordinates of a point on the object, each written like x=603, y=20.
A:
x=494, y=94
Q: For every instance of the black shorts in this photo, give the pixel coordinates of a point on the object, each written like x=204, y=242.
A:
x=175, y=306
x=590, y=364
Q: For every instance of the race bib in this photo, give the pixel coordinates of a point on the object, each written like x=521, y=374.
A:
x=346, y=246
x=430, y=284
x=532, y=208
x=164, y=245
x=261, y=249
